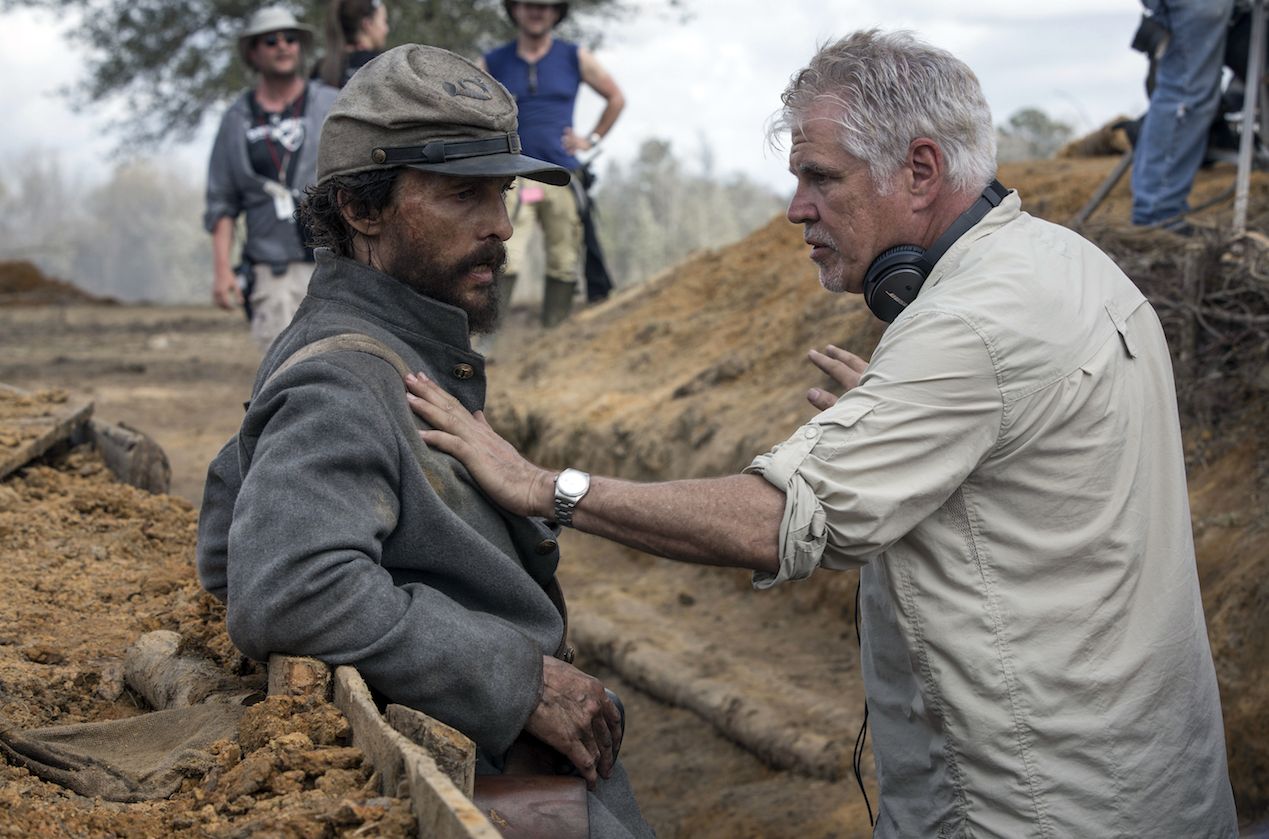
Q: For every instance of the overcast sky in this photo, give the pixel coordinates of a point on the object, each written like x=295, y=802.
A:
x=713, y=79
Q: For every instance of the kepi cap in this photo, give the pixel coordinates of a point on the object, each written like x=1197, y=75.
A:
x=271, y=19
x=428, y=109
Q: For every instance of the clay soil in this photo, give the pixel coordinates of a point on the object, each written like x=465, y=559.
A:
x=677, y=377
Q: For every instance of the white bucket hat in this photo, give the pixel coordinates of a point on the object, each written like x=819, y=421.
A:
x=271, y=19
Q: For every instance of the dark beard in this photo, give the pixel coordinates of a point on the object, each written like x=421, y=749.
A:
x=441, y=282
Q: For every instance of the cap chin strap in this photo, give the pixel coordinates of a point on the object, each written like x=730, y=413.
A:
x=440, y=151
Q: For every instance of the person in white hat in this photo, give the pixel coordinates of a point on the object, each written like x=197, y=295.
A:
x=264, y=157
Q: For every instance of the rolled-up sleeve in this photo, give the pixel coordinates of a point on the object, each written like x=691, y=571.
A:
x=865, y=472
x=222, y=198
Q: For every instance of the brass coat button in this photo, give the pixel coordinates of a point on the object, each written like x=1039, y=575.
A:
x=547, y=546
x=464, y=371
x=379, y=155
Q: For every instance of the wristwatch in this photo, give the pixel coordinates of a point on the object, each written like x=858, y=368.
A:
x=571, y=486
x=594, y=139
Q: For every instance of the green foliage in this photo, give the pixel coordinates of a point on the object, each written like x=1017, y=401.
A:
x=1031, y=134
x=170, y=61
x=653, y=213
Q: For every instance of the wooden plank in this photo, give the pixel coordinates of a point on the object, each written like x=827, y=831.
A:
x=33, y=423
x=295, y=675
x=407, y=771
x=453, y=751
x=131, y=455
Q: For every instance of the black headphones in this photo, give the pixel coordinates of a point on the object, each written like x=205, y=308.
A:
x=895, y=277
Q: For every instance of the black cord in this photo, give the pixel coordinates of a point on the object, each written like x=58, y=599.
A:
x=857, y=756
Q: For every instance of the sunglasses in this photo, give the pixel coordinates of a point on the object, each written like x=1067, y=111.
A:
x=272, y=39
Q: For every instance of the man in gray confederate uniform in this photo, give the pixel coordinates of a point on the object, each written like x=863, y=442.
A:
x=327, y=527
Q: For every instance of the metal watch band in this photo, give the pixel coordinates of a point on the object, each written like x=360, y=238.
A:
x=566, y=498
x=564, y=511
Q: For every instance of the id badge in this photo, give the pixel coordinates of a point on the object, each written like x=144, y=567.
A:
x=283, y=201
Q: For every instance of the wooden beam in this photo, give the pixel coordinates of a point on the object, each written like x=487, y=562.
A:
x=131, y=455
x=295, y=675
x=453, y=751
x=31, y=424
x=407, y=771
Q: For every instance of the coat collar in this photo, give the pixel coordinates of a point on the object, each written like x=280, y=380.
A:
x=341, y=280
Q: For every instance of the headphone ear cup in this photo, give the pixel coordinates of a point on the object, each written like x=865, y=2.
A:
x=893, y=281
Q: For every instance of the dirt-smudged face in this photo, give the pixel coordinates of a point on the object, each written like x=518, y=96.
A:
x=443, y=236
x=846, y=220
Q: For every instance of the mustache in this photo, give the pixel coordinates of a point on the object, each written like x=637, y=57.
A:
x=815, y=233
x=493, y=254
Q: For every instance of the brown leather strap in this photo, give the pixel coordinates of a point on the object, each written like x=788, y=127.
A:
x=534, y=806
x=347, y=341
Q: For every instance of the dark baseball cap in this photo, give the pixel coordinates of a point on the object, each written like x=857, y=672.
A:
x=428, y=109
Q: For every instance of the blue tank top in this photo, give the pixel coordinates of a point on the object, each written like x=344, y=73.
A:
x=545, y=93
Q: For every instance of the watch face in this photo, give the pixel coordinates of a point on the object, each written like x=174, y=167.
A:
x=572, y=482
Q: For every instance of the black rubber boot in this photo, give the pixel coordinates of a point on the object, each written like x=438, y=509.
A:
x=557, y=300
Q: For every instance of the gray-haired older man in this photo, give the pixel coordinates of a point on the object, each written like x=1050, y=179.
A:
x=1006, y=471
x=326, y=527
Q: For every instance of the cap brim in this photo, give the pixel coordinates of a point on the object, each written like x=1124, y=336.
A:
x=500, y=165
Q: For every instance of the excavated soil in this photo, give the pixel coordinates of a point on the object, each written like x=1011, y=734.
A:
x=90, y=564
x=690, y=374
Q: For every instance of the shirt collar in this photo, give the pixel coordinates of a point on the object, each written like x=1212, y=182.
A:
x=1009, y=209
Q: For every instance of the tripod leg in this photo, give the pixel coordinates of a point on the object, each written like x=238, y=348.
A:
x=1102, y=191
x=1255, y=83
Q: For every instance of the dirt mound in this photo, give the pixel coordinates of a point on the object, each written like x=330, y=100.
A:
x=695, y=372
x=691, y=373
x=1111, y=138
x=23, y=284
x=89, y=565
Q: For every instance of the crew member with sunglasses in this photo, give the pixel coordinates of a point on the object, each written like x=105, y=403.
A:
x=264, y=157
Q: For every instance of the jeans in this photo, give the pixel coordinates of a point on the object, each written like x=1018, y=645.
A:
x=1173, y=136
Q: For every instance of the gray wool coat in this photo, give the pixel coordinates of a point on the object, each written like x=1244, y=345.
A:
x=330, y=530
x=326, y=536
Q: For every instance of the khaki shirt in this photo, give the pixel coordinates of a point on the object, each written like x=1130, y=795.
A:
x=1009, y=475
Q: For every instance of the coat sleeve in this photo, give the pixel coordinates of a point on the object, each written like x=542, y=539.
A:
x=223, y=196
x=321, y=496
x=219, y=491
